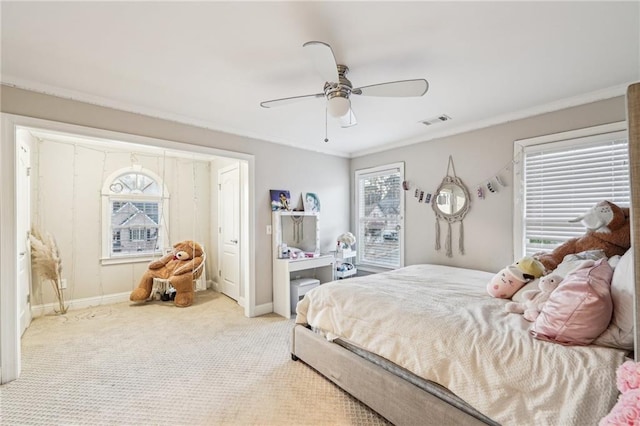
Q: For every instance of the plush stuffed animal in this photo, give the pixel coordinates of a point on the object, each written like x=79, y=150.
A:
x=535, y=299
x=608, y=229
x=530, y=266
x=180, y=267
x=505, y=283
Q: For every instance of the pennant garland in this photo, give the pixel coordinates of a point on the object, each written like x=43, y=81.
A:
x=491, y=185
x=420, y=195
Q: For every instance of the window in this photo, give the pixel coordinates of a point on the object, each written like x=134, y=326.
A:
x=380, y=216
x=134, y=205
x=561, y=177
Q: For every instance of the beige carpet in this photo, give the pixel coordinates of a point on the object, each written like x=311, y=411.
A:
x=156, y=364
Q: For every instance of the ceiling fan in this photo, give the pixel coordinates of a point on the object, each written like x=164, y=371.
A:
x=338, y=89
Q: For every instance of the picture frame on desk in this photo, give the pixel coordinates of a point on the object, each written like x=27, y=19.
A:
x=311, y=202
x=280, y=199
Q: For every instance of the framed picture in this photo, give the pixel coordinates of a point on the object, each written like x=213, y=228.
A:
x=311, y=202
x=280, y=199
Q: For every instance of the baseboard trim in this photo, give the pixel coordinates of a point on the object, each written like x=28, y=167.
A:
x=264, y=309
x=49, y=308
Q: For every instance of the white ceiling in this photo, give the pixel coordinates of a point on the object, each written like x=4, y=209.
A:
x=212, y=63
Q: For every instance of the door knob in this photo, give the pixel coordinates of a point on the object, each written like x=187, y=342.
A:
x=234, y=241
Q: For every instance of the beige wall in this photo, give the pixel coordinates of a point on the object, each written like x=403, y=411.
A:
x=276, y=166
x=478, y=155
x=67, y=180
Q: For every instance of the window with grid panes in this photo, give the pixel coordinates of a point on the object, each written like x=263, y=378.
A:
x=134, y=200
x=380, y=216
x=564, y=176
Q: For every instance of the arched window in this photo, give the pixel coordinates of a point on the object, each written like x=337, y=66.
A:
x=135, y=215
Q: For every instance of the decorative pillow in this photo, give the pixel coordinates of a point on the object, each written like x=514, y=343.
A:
x=579, y=310
x=568, y=264
x=587, y=254
x=613, y=261
x=619, y=334
x=574, y=261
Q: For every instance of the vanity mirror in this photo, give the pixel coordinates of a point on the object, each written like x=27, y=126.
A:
x=451, y=203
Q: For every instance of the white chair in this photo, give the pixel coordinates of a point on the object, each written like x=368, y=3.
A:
x=163, y=286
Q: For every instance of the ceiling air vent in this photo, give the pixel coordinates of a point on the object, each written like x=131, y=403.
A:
x=435, y=120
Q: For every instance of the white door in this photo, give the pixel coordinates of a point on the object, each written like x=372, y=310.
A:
x=23, y=185
x=229, y=230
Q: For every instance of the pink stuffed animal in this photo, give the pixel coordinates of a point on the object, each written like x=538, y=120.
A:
x=535, y=299
x=505, y=283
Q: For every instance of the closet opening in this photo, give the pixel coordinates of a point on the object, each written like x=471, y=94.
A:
x=56, y=183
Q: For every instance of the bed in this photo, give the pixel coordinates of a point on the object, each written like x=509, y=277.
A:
x=426, y=345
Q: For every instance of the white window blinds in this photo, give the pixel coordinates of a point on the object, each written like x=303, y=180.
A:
x=562, y=180
x=380, y=210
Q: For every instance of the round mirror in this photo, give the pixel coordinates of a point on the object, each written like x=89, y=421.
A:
x=451, y=201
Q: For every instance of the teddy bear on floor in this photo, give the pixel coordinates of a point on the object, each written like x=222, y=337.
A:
x=535, y=299
x=505, y=283
x=608, y=229
x=180, y=267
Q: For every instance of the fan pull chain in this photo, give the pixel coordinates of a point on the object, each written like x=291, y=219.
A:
x=326, y=136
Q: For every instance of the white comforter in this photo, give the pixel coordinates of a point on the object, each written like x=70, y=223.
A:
x=439, y=323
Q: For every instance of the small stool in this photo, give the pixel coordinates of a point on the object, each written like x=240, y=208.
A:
x=299, y=288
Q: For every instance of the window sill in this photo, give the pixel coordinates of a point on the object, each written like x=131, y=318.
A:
x=127, y=259
x=373, y=269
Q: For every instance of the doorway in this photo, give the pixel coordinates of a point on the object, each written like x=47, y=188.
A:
x=9, y=247
x=229, y=230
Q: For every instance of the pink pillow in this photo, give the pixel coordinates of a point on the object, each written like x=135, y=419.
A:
x=579, y=310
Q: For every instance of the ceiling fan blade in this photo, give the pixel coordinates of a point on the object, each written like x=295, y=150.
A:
x=348, y=120
x=323, y=60
x=402, y=88
x=286, y=101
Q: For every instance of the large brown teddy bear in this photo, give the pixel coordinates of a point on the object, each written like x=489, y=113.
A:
x=180, y=266
x=608, y=229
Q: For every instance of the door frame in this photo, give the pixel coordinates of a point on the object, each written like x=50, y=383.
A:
x=24, y=306
x=10, y=353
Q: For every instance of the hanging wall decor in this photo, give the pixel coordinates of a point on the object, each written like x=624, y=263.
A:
x=298, y=228
x=493, y=184
x=451, y=203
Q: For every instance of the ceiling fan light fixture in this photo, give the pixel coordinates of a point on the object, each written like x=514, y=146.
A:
x=338, y=106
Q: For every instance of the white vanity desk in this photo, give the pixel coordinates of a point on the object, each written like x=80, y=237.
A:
x=300, y=230
x=284, y=270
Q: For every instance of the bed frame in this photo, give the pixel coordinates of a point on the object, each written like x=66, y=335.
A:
x=393, y=397
x=408, y=402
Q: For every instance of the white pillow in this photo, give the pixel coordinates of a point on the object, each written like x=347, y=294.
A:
x=619, y=334
x=574, y=261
